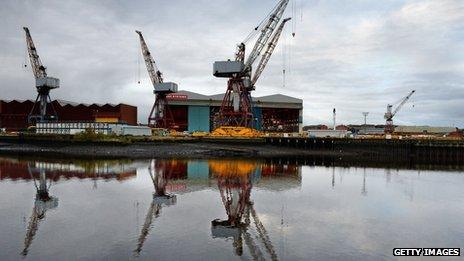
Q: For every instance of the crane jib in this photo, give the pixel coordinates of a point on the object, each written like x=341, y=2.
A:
x=266, y=33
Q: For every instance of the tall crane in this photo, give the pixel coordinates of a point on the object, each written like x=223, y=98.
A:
x=389, y=128
x=236, y=107
x=43, y=84
x=160, y=114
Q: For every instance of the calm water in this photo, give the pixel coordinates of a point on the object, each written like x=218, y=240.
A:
x=222, y=210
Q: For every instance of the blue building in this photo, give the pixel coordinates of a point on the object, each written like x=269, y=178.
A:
x=196, y=112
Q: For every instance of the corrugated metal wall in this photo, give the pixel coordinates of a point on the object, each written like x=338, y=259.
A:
x=14, y=113
x=198, y=118
x=258, y=115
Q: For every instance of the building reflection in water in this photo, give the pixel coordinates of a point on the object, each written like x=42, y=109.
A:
x=43, y=174
x=119, y=170
x=160, y=172
x=235, y=181
x=234, y=178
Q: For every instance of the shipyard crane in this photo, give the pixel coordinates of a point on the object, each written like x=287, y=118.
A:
x=236, y=107
x=160, y=114
x=389, y=128
x=43, y=84
x=160, y=172
x=43, y=202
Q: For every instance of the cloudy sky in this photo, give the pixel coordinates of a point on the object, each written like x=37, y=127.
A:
x=355, y=55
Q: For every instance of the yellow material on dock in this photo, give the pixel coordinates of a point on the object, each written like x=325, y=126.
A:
x=225, y=131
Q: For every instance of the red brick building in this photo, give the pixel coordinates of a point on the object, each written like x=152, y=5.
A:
x=13, y=113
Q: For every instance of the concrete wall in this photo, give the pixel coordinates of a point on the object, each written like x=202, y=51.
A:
x=198, y=118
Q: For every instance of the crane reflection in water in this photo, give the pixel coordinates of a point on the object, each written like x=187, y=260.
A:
x=160, y=171
x=43, y=202
x=235, y=181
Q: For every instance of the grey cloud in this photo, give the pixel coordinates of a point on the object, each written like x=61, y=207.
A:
x=356, y=57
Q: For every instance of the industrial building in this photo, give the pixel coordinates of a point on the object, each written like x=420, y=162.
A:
x=424, y=130
x=14, y=113
x=197, y=112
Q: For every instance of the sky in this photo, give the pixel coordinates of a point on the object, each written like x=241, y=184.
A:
x=356, y=56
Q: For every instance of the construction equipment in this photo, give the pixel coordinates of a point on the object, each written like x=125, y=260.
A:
x=160, y=171
x=43, y=202
x=235, y=180
x=389, y=128
x=160, y=114
x=43, y=84
x=236, y=107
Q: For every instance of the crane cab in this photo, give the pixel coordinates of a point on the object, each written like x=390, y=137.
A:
x=166, y=87
x=47, y=82
x=226, y=69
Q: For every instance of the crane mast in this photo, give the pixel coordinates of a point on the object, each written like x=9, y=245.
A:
x=43, y=84
x=389, y=128
x=160, y=114
x=236, y=107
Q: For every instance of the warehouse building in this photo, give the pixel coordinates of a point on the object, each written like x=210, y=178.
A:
x=197, y=112
x=13, y=113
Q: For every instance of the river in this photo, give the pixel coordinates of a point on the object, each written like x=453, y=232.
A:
x=224, y=209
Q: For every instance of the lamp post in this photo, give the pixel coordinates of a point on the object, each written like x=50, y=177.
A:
x=365, y=120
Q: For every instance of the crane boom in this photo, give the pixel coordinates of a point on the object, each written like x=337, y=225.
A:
x=405, y=99
x=267, y=54
x=266, y=33
x=155, y=75
x=37, y=68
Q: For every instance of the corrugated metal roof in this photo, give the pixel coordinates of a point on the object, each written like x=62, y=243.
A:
x=193, y=95
x=278, y=98
x=275, y=98
x=20, y=101
x=217, y=97
x=65, y=102
x=429, y=129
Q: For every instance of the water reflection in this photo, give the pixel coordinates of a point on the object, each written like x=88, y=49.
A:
x=160, y=171
x=242, y=209
x=43, y=202
x=235, y=181
x=43, y=174
x=19, y=169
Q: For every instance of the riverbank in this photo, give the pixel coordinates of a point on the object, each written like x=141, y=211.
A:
x=141, y=150
x=375, y=150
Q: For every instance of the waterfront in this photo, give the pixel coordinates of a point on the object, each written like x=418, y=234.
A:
x=107, y=210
